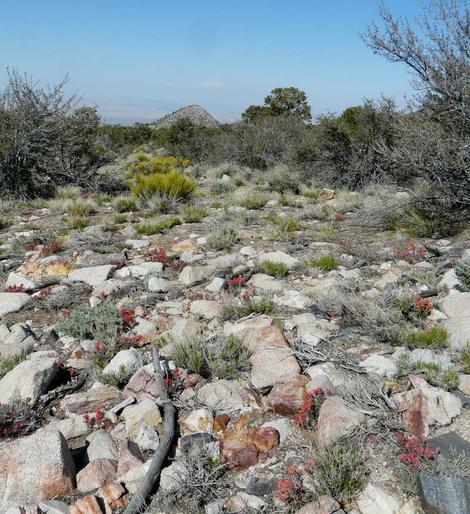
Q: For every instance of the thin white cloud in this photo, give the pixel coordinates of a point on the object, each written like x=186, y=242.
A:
x=210, y=84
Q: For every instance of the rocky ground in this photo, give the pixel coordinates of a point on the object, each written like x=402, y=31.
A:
x=315, y=363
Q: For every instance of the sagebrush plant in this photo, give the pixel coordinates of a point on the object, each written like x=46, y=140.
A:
x=462, y=271
x=275, y=269
x=338, y=470
x=103, y=323
x=219, y=187
x=217, y=356
x=204, y=481
x=376, y=316
x=174, y=184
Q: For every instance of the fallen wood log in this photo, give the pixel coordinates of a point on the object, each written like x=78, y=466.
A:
x=169, y=414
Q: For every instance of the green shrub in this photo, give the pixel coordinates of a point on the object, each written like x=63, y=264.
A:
x=435, y=337
x=148, y=229
x=8, y=363
x=236, y=311
x=432, y=373
x=119, y=218
x=282, y=179
x=276, y=269
x=462, y=271
x=465, y=360
x=103, y=323
x=173, y=183
x=68, y=193
x=192, y=214
x=77, y=208
x=254, y=202
x=146, y=164
x=118, y=379
x=4, y=222
x=223, y=357
x=284, y=224
x=326, y=263
x=125, y=204
x=313, y=195
x=77, y=222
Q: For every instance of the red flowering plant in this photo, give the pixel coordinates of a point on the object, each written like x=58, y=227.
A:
x=96, y=419
x=128, y=315
x=412, y=252
x=18, y=420
x=414, y=308
x=236, y=283
x=160, y=255
x=307, y=415
x=178, y=265
x=15, y=288
x=415, y=451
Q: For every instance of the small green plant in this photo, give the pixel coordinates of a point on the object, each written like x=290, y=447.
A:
x=465, y=360
x=76, y=208
x=67, y=193
x=146, y=164
x=327, y=232
x=119, y=218
x=432, y=373
x=173, y=183
x=275, y=269
x=222, y=239
x=462, y=271
x=103, y=323
x=8, y=363
x=254, y=202
x=223, y=357
x=216, y=205
x=219, y=187
x=435, y=337
x=234, y=311
x=313, y=194
x=148, y=229
x=287, y=225
x=326, y=263
x=77, y=222
x=118, y=379
x=192, y=214
x=125, y=204
x=4, y=222
x=238, y=182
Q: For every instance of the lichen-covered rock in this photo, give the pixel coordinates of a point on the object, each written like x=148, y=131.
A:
x=35, y=468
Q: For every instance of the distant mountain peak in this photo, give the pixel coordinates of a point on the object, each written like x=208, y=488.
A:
x=195, y=113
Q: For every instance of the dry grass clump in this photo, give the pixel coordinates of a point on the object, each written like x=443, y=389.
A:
x=377, y=315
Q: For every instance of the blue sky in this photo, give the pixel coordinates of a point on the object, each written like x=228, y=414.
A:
x=139, y=59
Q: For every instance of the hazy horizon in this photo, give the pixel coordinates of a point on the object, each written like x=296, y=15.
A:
x=137, y=62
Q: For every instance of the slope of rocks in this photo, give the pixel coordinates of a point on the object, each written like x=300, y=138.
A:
x=197, y=114
x=80, y=410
